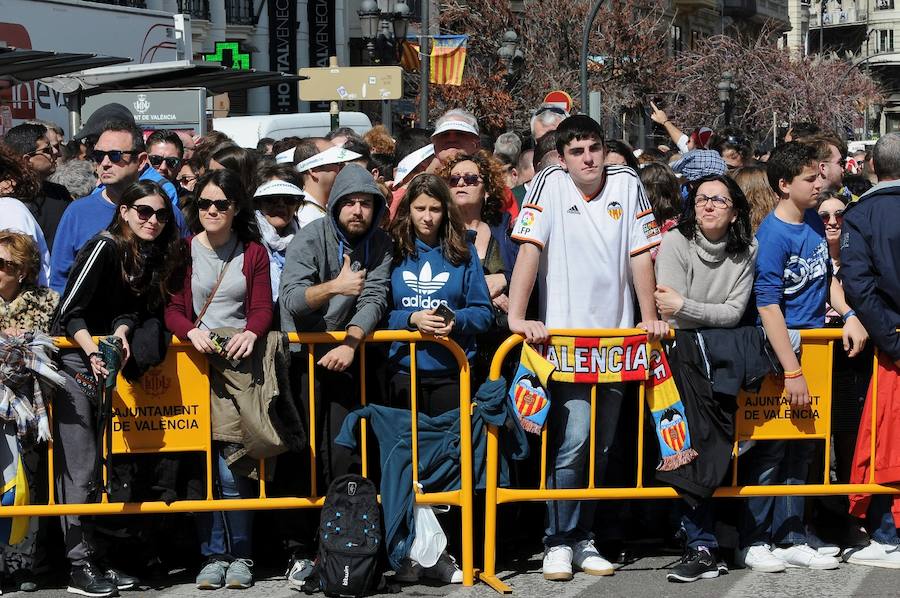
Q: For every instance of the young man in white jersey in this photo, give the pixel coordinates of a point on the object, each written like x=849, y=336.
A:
x=585, y=234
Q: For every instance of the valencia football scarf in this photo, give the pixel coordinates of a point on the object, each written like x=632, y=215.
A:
x=591, y=360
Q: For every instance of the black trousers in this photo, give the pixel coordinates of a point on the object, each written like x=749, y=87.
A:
x=435, y=394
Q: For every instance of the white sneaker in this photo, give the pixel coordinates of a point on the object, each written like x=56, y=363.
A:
x=445, y=570
x=558, y=563
x=760, y=559
x=586, y=558
x=409, y=572
x=829, y=550
x=874, y=555
x=802, y=555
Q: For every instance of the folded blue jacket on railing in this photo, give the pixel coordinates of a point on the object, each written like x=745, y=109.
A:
x=438, y=452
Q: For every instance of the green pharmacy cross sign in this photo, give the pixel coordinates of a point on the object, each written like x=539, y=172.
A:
x=229, y=54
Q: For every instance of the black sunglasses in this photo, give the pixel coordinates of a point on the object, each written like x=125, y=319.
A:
x=115, y=156
x=145, y=212
x=171, y=162
x=8, y=265
x=469, y=179
x=45, y=151
x=222, y=205
x=279, y=200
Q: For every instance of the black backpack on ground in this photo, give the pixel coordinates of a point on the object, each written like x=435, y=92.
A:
x=350, y=538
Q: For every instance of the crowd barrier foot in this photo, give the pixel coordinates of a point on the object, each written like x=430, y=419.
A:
x=494, y=582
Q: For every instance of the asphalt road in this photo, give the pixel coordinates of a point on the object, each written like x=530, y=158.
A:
x=645, y=577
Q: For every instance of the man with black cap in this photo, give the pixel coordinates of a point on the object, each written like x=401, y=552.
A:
x=337, y=278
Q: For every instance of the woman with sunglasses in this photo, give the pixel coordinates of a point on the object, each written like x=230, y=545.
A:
x=18, y=186
x=226, y=286
x=120, y=277
x=277, y=198
x=477, y=186
x=704, y=275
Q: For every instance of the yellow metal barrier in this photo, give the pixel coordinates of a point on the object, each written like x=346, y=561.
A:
x=765, y=418
x=182, y=423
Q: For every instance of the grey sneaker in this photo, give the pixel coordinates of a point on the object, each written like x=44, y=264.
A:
x=299, y=571
x=409, y=572
x=239, y=575
x=212, y=575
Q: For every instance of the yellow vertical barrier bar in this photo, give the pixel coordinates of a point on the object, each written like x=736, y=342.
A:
x=642, y=389
x=363, y=437
x=466, y=484
x=874, y=419
x=734, y=466
x=592, y=457
x=543, y=482
x=311, y=373
x=414, y=413
x=51, y=486
x=262, y=478
x=490, y=507
x=826, y=479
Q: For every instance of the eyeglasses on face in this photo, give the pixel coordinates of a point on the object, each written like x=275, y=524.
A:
x=468, y=179
x=115, y=156
x=553, y=109
x=222, y=205
x=186, y=179
x=718, y=201
x=171, y=162
x=44, y=151
x=145, y=212
x=8, y=265
x=838, y=217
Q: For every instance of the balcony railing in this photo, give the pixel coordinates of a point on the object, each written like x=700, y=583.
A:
x=128, y=3
x=239, y=12
x=196, y=8
x=849, y=15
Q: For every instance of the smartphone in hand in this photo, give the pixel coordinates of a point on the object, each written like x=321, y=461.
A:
x=448, y=315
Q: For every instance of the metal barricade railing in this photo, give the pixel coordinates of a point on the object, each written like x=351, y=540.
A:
x=184, y=365
x=817, y=363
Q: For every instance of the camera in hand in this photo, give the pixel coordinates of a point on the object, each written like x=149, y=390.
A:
x=219, y=342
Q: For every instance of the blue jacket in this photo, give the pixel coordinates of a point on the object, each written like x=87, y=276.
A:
x=509, y=249
x=870, y=264
x=425, y=281
x=438, y=450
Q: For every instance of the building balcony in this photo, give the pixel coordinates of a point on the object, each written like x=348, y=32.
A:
x=199, y=9
x=693, y=5
x=239, y=12
x=849, y=15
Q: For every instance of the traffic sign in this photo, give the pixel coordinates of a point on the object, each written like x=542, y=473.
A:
x=559, y=98
x=352, y=83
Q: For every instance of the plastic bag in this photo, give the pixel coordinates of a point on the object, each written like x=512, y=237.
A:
x=430, y=540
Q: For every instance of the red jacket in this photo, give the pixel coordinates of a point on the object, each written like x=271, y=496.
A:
x=887, y=439
x=180, y=316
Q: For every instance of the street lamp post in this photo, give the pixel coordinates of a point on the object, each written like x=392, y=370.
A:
x=726, y=95
x=511, y=57
x=425, y=62
x=383, y=32
x=585, y=43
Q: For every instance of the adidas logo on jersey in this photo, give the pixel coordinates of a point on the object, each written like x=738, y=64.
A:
x=573, y=210
x=424, y=285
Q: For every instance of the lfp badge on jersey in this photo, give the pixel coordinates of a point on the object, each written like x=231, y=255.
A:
x=614, y=209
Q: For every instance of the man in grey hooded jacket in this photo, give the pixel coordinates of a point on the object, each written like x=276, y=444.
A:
x=336, y=277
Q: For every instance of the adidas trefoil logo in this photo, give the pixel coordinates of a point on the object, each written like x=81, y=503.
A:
x=424, y=285
x=573, y=210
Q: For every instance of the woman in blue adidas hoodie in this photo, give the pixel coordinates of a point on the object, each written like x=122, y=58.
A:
x=434, y=265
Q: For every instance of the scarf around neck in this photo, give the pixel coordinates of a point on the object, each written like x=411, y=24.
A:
x=275, y=242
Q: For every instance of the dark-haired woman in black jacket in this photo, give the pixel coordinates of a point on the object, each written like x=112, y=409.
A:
x=121, y=275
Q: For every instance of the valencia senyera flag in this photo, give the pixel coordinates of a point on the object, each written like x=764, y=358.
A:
x=447, y=58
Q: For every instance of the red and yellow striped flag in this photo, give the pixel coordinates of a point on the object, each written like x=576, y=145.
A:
x=448, y=58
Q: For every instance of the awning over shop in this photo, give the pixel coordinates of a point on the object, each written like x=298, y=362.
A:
x=28, y=65
x=165, y=75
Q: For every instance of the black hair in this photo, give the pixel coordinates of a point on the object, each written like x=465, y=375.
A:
x=120, y=126
x=281, y=172
x=662, y=189
x=306, y=149
x=739, y=236
x=166, y=136
x=787, y=161
x=152, y=267
x=262, y=143
x=624, y=150
x=339, y=132
x=23, y=139
x=732, y=138
x=357, y=144
x=384, y=163
x=577, y=127
x=285, y=144
x=241, y=161
x=857, y=183
x=232, y=186
x=410, y=140
x=804, y=129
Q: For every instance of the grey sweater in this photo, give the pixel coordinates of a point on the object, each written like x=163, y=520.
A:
x=316, y=256
x=715, y=286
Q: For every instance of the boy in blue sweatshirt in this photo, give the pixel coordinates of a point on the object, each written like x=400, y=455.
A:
x=793, y=283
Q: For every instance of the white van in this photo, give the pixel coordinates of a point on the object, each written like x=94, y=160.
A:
x=246, y=131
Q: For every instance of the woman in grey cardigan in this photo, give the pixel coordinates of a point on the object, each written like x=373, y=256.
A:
x=704, y=274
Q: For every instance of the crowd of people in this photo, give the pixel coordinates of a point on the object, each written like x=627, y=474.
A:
x=140, y=235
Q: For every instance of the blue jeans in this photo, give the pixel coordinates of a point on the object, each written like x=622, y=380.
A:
x=880, y=520
x=569, y=430
x=229, y=532
x=699, y=524
x=775, y=519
